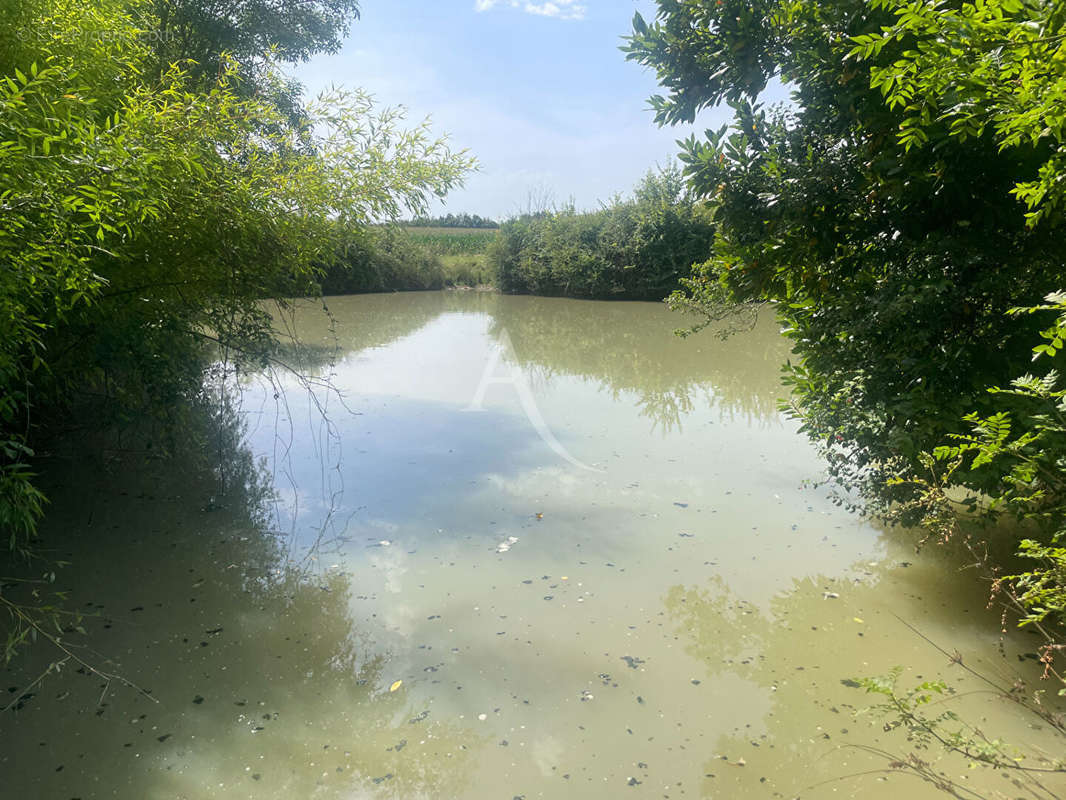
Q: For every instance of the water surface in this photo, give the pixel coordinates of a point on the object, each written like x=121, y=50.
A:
x=672, y=612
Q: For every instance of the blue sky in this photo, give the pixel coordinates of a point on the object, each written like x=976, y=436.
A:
x=537, y=91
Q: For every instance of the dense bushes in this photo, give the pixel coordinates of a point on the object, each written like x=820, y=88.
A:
x=634, y=249
x=892, y=265
x=381, y=259
x=1019, y=453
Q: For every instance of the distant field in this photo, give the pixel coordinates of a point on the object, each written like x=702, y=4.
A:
x=454, y=241
x=453, y=231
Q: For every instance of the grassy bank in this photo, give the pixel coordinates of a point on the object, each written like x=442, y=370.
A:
x=461, y=252
x=395, y=258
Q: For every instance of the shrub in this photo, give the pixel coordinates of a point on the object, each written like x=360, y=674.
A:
x=637, y=249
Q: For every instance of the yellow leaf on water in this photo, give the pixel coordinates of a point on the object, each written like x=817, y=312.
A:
x=857, y=620
x=395, y=686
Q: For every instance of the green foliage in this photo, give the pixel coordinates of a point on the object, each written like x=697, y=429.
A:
x=880, y=216
x=636, y=249
x=993, y=66
x=467, y=271
x=203, y=30
x=454, y=241
x=385, y=258
x=205, y=36
x=923, y=715
x=1042, y=590
x=890, y=259
x=908, y=706
x=1019, y=454
x=382, y=259
x=21, y=503
x=147, y=214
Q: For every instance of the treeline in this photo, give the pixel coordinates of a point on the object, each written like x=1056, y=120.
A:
x=904, y=217
x=159, y=178
x=452, y=221
x=634, y=249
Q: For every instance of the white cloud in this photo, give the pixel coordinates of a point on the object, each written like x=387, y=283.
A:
x=559, y=9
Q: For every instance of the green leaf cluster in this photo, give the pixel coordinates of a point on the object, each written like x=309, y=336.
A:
x=381, y=259
x=636, y=249
x=1020, y=456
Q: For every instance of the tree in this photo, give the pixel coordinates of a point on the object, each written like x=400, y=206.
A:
x=995, y=67
x=204, y=34
x=891, y=266
x=905, y=220
x=143, y=217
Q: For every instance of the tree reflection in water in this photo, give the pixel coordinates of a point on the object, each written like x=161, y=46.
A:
x=264, y=684
x=802, y=652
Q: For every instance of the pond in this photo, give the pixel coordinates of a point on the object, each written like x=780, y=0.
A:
x=516, y=548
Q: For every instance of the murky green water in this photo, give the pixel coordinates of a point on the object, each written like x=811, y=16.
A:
x=647, y=602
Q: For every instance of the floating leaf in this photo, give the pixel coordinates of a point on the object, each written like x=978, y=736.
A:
x=395, y=686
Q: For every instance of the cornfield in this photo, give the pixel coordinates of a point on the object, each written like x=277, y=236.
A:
x=454, y=241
